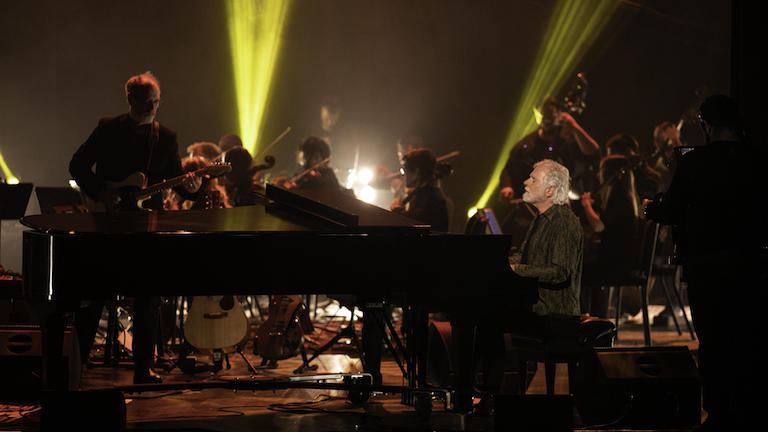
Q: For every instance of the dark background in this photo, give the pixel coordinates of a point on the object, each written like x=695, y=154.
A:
x=451, y=71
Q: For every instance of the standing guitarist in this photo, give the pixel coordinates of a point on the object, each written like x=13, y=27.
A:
x=118, y=147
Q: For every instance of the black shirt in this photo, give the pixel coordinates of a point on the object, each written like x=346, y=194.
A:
x=429, y=205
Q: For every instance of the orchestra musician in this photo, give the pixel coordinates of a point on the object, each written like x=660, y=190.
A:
x=723, y=259
x=666, y=137
x=425, y=201
x=117, y=147
x=552, y=253
x=612, y=216
x=242, y=184
x=204, y=149
x=315, y=155
x=648, y=181
x=559, y=137
x=210, y=195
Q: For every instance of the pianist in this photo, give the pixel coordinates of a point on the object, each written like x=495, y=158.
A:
x=552, y=253
x=118, y=147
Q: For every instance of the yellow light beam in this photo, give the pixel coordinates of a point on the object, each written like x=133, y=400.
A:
x=572, y=28
x=255, y=33
x=9, y=177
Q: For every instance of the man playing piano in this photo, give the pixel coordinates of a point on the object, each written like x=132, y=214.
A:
x=119, y=147
x=551, y=253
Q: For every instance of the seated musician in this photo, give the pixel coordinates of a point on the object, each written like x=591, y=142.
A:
x=205, y=149
x=647, y=179
x=552, y=253
x=118, y=147
x=242, y=186
x=315, y=156
x=425, y=201
x=612, y=216
x=210, y=195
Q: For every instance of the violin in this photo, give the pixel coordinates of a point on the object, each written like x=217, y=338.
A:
x=302, y=177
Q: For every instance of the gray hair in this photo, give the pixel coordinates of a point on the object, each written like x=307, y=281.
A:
x=143, y=81
x=557, y=176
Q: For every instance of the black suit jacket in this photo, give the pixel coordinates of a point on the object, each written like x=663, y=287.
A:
x=117, y=148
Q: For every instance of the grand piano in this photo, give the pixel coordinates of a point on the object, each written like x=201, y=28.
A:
x=293, y=243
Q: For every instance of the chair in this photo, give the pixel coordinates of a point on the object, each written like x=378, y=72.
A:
x=644, y=276
x=563, y=340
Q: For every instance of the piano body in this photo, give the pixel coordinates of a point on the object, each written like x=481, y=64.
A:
x=294, y=243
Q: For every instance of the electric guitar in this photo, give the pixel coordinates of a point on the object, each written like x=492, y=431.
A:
x=215, y=322
x=132, y=191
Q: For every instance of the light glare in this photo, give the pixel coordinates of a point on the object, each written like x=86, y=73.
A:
x=367, y=194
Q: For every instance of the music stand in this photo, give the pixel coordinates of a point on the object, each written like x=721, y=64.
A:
x=58, y=200
x=13, y=200
x=483, y=222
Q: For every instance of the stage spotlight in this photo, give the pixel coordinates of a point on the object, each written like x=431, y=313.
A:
x=255, y=33
x=572, y=29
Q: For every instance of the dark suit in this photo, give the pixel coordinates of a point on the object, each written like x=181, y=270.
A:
x=714, y=199
x=119, y=147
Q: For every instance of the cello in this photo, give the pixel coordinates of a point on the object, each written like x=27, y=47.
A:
x=281, y=335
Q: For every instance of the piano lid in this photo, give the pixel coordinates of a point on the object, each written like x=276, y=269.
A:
x=340, y=207
x=285, y=211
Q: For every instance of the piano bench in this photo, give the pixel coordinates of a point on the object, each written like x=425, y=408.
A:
x=564, y=340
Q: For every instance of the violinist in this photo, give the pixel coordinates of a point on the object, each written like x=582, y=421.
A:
x=425, y=201
x=315, y=155
x=242, y=185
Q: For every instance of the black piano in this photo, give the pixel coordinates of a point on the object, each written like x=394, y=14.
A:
x=295, y=243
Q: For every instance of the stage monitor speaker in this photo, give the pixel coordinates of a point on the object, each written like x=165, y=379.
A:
x=639, y=387
x=92, y=410
x=21, y=362
x=545, y=413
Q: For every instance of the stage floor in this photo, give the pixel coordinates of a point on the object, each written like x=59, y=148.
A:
x=218, y=409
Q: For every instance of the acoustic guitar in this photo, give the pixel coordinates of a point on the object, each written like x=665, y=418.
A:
x=215, y=322
x=132, y=191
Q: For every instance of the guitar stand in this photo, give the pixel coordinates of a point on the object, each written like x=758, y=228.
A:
x=115, y=355
x=348, y=331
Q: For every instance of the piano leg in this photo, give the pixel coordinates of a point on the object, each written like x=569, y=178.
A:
x=415, y=322
x=54, y=376
x=463, y=334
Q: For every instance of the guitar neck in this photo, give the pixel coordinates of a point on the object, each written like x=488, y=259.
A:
x=159, y=187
